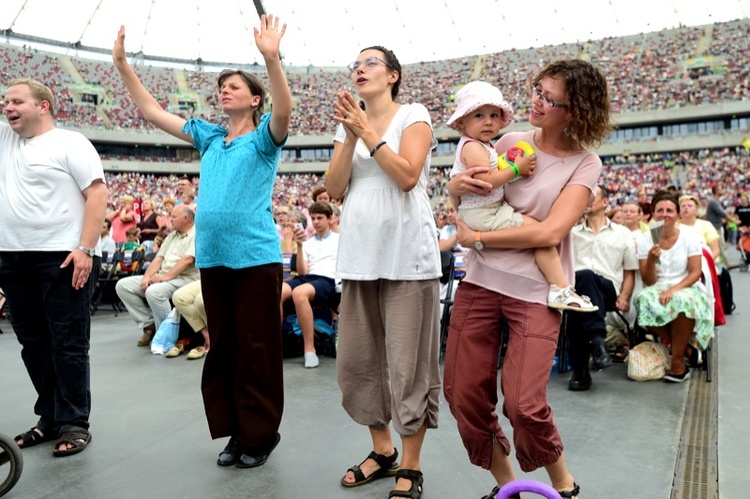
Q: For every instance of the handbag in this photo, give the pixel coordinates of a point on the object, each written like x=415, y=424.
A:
x=648, y=361
x=166, y=336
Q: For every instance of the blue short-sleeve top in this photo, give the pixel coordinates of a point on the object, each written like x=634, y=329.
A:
x=234, y=224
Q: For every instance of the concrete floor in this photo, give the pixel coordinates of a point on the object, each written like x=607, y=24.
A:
x=150, y=438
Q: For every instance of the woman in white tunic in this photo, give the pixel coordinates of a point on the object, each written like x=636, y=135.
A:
x=389, y=262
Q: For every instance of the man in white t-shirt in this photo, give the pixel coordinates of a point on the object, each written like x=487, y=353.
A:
x=316, y=272
x=53, y=200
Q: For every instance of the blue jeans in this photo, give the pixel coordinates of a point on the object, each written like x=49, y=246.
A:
x=52, y=322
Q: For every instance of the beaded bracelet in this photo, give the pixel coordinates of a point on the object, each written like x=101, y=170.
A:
x=381, y=144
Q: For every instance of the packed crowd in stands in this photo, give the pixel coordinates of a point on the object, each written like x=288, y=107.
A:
x=693, y=172
x=645, y=72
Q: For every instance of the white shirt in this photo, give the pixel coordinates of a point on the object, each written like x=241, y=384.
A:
x=41, y=184
x=320, y=254
x=387, y=233
x=107, y=244
x=608, y=253
x=672, y=266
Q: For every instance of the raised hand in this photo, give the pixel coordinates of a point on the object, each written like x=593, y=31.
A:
x=268, y=37
x=118, y=50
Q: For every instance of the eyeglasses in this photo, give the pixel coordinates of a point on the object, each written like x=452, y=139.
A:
x=369, y=63
x=537, y=90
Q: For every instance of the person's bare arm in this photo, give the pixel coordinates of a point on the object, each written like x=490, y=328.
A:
x=648, y=265
x=151, y=109
x=403, y=168
x=302, y=265
x=623, y=299
x=181, y=266
x=466, y=183
x=268, y=40
x=564, y=214
x=127, y=215
x=93, y=218
x=448, y=244
x=694, y=273
x=340, y=169
x=474, y=154
x=714, y=247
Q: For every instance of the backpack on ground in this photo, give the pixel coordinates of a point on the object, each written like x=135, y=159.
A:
x=727, y=295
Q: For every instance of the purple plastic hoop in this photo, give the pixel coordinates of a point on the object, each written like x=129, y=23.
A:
x=533, y=486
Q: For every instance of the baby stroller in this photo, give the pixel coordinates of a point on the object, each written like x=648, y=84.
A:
x=11, y=464
x=744, y=247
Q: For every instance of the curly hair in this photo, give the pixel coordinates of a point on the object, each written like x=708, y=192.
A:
x=588, y=97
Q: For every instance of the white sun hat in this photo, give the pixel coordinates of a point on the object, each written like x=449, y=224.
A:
x=477, y=94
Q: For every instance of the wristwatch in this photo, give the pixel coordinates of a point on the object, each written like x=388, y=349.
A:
x=88, y=251
x=478, y=244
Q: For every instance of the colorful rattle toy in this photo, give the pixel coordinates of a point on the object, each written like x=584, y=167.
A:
x=508, y=158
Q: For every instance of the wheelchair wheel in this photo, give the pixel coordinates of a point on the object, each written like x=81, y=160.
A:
x=11, y=464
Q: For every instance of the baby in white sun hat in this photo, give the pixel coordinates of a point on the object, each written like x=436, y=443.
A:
x=481, y=112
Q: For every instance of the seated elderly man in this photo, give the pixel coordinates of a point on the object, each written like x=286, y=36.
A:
x=315, y=281
x=147, y=297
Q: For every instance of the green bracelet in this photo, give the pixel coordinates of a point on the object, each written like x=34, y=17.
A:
x=516, y=171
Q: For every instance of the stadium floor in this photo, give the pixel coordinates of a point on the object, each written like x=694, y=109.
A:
x=150, y=439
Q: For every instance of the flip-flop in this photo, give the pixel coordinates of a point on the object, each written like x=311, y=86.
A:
x=34, y=436
x=72, y=437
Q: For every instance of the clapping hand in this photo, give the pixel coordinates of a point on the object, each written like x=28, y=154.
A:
x=349, y=114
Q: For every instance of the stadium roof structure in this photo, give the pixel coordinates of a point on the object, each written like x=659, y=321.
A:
x=329, y=33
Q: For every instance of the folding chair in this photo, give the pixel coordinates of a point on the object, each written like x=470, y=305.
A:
x=138, y=258
x=105, y=286
x=447, y=262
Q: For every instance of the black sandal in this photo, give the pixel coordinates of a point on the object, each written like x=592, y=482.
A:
x=495, y=490
x=79, y=439
x=231, y=453
x=388, y=467
x=34, y=436
x=571, y=493
x=417, y=482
